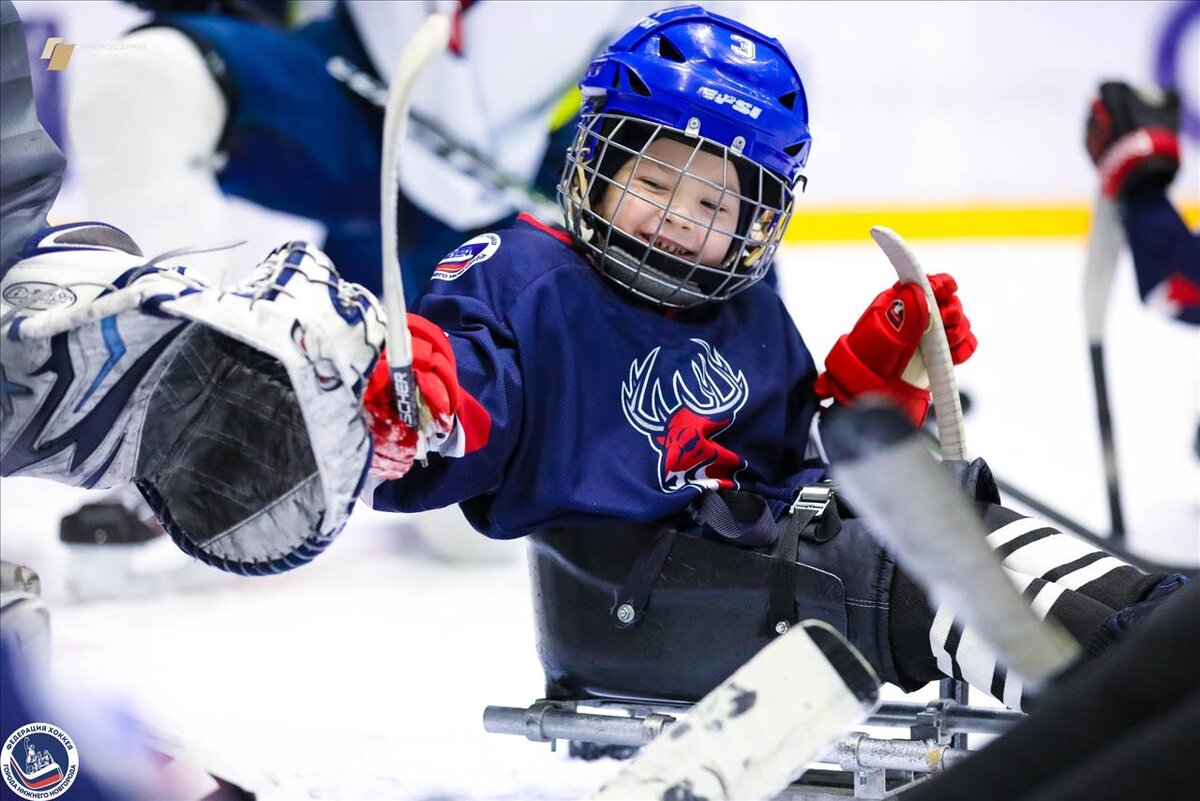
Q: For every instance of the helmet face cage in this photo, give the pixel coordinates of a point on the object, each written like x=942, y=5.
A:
x=603, y=144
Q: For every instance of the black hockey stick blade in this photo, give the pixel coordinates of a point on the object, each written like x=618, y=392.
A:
x=889, y=476
x=756, y=732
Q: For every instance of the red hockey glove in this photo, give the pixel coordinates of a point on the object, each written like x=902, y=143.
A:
x=1133, y=137
x=958, y=328
x=436, y=376
x=880, y=353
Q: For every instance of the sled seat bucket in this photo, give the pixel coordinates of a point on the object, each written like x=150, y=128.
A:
x=706, y=615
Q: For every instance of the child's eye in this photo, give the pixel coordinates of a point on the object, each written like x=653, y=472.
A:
x=652, y=184
x=717, y=207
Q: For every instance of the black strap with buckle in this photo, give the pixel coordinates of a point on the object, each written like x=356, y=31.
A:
x=810, y=505
x=743, y=519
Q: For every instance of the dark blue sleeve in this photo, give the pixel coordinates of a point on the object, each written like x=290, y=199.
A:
x=800, y=467
x=469, y=310
x=1166, y=255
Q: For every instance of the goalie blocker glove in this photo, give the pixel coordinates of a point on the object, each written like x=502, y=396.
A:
x=1133, y=137
x=237, y=413
x=880, y=354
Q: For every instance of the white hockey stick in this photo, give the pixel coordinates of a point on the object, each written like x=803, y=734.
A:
x=935, y=350
x=934, y=531
x=756, y=732
x=924, y=519
x=429, y=40
x=1103, y=249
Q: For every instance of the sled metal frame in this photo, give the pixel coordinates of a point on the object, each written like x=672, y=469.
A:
x=867, y=767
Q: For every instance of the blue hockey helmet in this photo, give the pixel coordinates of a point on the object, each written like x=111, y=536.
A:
x=698, y=78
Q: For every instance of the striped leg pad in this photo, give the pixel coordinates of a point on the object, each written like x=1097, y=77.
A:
x=1035, y=548
x=962, y=654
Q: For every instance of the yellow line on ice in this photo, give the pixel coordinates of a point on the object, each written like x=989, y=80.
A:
x=983, y=221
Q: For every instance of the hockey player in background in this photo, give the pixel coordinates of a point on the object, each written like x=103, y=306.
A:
x=1133, y=139
x=1132, y=136
x=234, y=102
x=629, y=383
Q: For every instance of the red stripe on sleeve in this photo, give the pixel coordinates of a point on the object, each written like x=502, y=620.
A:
x=475, y=421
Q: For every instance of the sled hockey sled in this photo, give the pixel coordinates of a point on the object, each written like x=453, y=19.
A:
x=618, y=678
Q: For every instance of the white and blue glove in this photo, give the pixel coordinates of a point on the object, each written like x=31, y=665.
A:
x=238, y=413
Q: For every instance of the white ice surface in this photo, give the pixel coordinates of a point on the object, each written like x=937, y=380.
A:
x=364, y=675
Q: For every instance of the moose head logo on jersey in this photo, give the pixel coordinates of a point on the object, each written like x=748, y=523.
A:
x=683, y=430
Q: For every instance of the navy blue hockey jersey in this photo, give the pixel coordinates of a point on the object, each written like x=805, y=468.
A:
x=603, y=408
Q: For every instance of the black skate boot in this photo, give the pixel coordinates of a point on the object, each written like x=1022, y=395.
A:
x=118, y=548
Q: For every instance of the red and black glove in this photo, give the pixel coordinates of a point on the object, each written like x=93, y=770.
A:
x=880, y=353
x=437, y=379
x=1133, y=137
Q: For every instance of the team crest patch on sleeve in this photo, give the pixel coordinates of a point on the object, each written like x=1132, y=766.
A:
x=466, y=255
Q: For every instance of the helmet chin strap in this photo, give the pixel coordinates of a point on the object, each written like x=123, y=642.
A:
x=647, y=282
x=578, y=198
x=653, y=273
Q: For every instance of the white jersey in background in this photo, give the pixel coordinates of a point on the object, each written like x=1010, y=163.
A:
x=497, y=91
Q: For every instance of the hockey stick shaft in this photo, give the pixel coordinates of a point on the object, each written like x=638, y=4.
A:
x=475, y=165
x=1103, y=250
x=935, y=350
x=937, y=536
x=463, y=157
x=429, y=40
x=1112, y=482
x=947, y=402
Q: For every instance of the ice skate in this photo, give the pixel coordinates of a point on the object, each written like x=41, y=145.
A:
x=119, y=548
